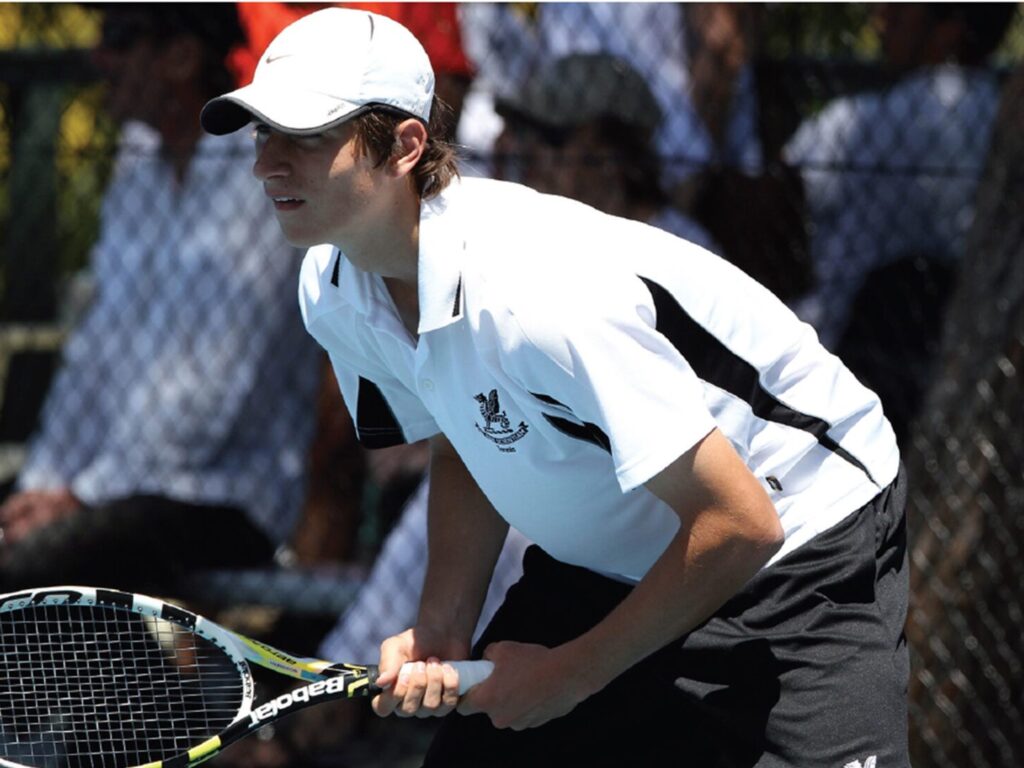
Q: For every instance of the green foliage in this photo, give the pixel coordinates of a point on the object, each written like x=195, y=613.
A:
x=819, y=30
x=85, y=149
x=47, y=25
x=1011, y=52
x=846, y=31
x=82, y=144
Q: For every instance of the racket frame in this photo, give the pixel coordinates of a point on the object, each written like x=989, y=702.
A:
x=326, y=680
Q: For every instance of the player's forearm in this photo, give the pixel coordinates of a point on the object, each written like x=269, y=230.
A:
x=728, y=530
x=699, y=571
x=465, y=537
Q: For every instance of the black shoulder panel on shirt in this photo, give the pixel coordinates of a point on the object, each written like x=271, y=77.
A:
x=376, y=425
x=586, y=431
x=717, y=364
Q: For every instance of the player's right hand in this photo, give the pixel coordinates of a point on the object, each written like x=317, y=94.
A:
x=424, y=688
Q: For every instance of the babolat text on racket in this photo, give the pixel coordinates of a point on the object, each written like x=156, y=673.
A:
x=109, y=679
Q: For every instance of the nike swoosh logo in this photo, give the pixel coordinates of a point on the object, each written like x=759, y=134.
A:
x=272, y=59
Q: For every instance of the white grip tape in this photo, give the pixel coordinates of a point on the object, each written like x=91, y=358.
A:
x=470, y=672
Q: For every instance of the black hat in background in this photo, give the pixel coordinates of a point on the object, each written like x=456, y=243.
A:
x=584, y=87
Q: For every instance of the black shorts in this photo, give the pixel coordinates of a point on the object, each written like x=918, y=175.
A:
x=806, y=666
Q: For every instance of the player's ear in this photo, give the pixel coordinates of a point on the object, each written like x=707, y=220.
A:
x=411, y=139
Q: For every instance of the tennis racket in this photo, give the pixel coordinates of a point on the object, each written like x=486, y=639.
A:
x=109, y=679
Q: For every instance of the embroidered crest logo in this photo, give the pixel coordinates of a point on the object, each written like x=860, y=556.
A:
x=497, y=428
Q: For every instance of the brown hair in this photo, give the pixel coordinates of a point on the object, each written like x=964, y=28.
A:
x=375, y=136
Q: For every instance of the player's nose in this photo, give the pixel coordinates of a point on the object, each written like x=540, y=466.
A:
x=271, y=161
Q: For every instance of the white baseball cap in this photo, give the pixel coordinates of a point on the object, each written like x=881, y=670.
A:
x=326, y=68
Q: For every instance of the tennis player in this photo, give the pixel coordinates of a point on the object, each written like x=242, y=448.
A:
x=720, y=576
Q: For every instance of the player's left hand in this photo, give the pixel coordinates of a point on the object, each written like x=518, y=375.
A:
x=530, y=686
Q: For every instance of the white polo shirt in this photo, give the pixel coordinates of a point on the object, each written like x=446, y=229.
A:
x=569, y=356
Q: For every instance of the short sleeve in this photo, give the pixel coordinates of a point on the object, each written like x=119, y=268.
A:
x=610, y=366
x=384, y=411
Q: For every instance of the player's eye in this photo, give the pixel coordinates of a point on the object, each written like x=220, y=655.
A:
x=260, y=132
x=309, y=140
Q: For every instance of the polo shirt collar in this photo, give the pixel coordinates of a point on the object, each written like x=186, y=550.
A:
x=363, y=291
x=442, y=246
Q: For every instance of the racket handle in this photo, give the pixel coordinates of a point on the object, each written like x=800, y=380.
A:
x=470, y=672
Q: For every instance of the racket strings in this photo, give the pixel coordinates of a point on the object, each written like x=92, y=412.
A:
x=100, y=687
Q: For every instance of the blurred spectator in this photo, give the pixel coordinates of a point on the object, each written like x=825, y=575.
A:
x=695, y=63
x=893, y=173
x=890, y=180
x=583, y=127
x=696, y=68
x=720, y=40
x=177, y=431
x=748, y=208
x=435, y=25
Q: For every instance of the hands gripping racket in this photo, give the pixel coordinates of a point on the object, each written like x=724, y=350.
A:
x=108, y=679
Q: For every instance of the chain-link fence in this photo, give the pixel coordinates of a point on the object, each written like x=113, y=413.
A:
x=864, y=163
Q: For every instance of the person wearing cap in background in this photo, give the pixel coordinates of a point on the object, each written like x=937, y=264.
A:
x=892, y=173
x=720, y=576
x=891, y=177
x=176, y=432
x=584, y=128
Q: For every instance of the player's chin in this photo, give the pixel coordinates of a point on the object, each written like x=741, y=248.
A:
x=300, y=237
